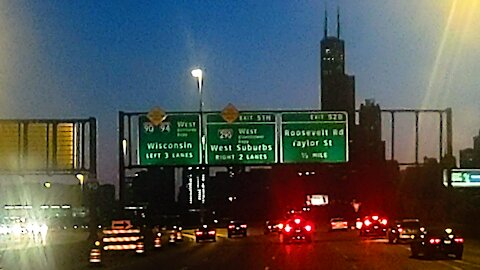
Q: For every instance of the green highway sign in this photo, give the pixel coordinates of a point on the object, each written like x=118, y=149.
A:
x=310, y=137
x=241, y=138
x=174, y=140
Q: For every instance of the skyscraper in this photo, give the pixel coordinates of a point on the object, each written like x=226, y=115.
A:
x=337, y=88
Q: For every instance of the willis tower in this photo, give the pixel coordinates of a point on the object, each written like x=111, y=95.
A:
x=337, y=88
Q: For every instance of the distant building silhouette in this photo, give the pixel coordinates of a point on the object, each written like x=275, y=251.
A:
x=467, y=157
x=337, y=88
x=368, y=143
x=476, y=149
x=470, y=157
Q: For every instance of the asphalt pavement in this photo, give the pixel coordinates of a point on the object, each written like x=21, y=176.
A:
x=329, y=250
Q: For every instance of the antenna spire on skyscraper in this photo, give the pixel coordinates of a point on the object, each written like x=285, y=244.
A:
x=338, y=22
x=325, y=25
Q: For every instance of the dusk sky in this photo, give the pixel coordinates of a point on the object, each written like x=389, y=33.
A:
x=61, y=59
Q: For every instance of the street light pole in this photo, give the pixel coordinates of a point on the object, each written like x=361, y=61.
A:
x=81, y=179
x=198, y=74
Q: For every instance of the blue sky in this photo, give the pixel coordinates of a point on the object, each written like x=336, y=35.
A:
x=62, y=59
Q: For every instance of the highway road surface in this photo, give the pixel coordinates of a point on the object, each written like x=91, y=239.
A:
x=329, y=250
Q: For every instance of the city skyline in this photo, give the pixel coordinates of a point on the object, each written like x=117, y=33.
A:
x=82, y=59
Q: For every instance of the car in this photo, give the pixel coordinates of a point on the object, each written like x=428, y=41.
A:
x=437, y=242
x=273, y=226
x=205, y=232
x=292, y=213
x=338, y=224
x=403, y=231
x=174, y=234
x=297, y=229
x=237, y=228
x=374, y=226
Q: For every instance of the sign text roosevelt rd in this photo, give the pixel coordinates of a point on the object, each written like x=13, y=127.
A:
x=309, y=137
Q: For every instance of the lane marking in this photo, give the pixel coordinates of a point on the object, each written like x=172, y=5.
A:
x=193, y=236
x=467, y=263
x=189, y=236
x=449, y=265
x=379, y=240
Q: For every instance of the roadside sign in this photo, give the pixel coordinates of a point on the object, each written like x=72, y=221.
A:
x=310, y=137
x=230, y=113
x=317, y=200
x=121, y=224
x=241, y=138
x=173, y=141
x=156, y=116
x=463, y=178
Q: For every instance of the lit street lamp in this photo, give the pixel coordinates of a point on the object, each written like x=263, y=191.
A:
x=81, y=179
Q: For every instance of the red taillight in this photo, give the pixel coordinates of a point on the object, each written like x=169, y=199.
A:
x=368, y=222
x=333, y=223
x=198, y=233
x=211, y=232
x=280, y=226
x=243, y=226
x=384, y=221
x=458, y=240
x=288, y=228
x=434, y=241
x=375, y=217
x=297, y=221
x=308, y=228
x=231, y=226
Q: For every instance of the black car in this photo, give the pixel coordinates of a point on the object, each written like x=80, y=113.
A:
x=174, y=234
x=374, y=226
x=237, y=228
x=403, y=231
x=297, y=229
x=437, y=242
x=205, y=232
